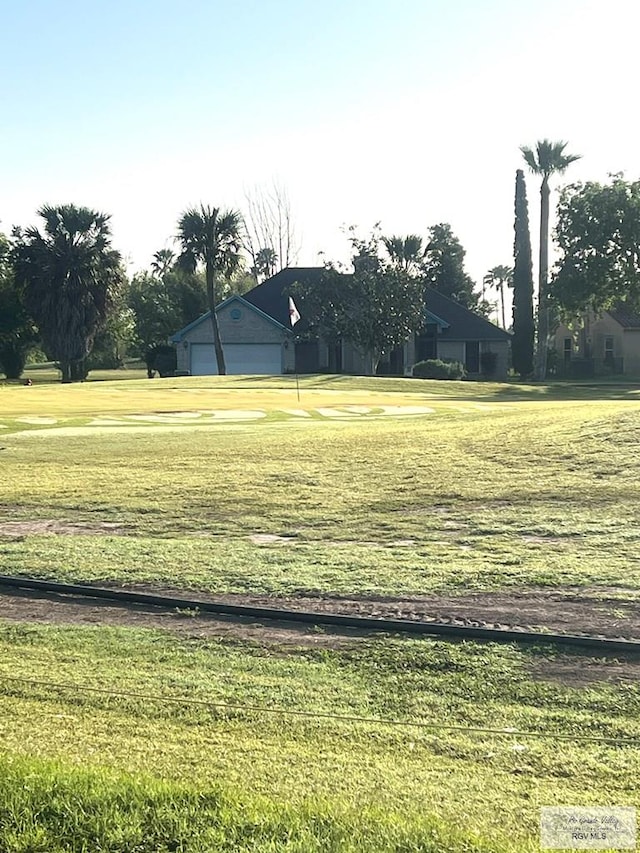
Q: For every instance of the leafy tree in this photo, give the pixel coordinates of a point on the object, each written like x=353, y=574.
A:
x=405, y=253
x=161, y=306
x=114, y=340
x=443, y=267
x=598, y=233
x=377, y=306
x=211, y=237
x=548, y=159
x=523, y=323
x=498, y=278
x=17, y=332
x=71, y=276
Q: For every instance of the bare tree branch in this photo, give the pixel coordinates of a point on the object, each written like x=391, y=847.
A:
x=269, y=230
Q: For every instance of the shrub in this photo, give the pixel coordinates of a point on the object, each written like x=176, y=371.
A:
x=13, y=358
x=437, y=369
x=163, y=358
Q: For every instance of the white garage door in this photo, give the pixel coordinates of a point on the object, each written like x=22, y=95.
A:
x=238, y=358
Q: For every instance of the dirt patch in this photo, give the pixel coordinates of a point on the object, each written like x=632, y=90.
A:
x=584, y=671
x=270, y=539
x=68, y=528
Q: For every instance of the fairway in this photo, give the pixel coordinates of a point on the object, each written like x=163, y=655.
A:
x=507, y=505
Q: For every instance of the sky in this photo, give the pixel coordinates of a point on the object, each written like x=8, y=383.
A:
x=408, y=113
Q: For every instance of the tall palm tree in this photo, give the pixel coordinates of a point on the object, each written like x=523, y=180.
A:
x=497, y=278
x=405, y=253
x=548, y=159
x=71, y=277
x=210, y=236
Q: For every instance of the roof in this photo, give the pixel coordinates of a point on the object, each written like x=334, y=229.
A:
x=625, y=317
x=272, y=296
x=179, y=336
x=464, y=325
x=456, y=321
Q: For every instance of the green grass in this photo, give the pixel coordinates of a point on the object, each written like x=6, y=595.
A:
x=501, y=487
x=532, y=492
x=87, y=764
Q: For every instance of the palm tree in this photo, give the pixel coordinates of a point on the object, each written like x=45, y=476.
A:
x=405, y=253
x=71, y=277
x=163, y=261
x=498, y=277
x=211, y=237
x=265, y=264
x=548, y=159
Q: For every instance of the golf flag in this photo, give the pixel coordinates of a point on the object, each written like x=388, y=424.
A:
x=294, y=314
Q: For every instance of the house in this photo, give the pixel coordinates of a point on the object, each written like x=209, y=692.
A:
x=599, y=345
x=257, y=337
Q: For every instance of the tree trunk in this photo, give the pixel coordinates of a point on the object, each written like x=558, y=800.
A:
x=65, y=367
x=504, y=316
x=211, y=298
x=543, y=296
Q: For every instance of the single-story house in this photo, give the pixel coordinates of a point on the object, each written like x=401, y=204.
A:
x=599, y=345
x=257, y=337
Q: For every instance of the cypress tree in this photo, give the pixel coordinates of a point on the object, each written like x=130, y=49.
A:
x=523, y=324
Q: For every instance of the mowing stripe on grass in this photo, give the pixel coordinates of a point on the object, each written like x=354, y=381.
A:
x=345, y=718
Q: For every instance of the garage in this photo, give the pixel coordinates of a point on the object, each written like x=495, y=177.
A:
x=239, y=359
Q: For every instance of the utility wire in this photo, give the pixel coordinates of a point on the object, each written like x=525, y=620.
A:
x=264, y=709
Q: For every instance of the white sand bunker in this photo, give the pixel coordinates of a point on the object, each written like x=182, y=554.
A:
x=37, y=421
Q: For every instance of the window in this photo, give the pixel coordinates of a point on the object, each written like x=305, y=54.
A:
x=427, y=343
x=567, y=350
x=608, y=348
x=472, y=356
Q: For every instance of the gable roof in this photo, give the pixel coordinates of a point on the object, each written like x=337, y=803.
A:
x=463, y=324
x=455, y=321
x=272, y=296
x=625, y=317
x=179, y=336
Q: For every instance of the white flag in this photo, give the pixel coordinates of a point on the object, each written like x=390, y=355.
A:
x=294, y=314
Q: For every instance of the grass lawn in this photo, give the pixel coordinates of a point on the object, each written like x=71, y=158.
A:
x=140, y=769
x=362, y=488
x=478, y=494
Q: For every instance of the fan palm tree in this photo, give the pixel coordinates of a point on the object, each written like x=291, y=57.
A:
x=265, y=264
x=405, y=253
x=548, y=159
x=210, y=236
x=71, y=277
x=163, y=261
x=498, y=277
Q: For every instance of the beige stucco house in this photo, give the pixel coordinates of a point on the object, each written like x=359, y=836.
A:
x=601, y=344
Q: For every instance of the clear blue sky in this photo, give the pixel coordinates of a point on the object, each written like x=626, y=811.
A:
x=408, y=113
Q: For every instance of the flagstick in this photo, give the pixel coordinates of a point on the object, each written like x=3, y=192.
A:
x=294, y=316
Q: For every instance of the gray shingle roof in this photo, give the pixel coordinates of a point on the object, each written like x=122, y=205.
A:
x=272, y=297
